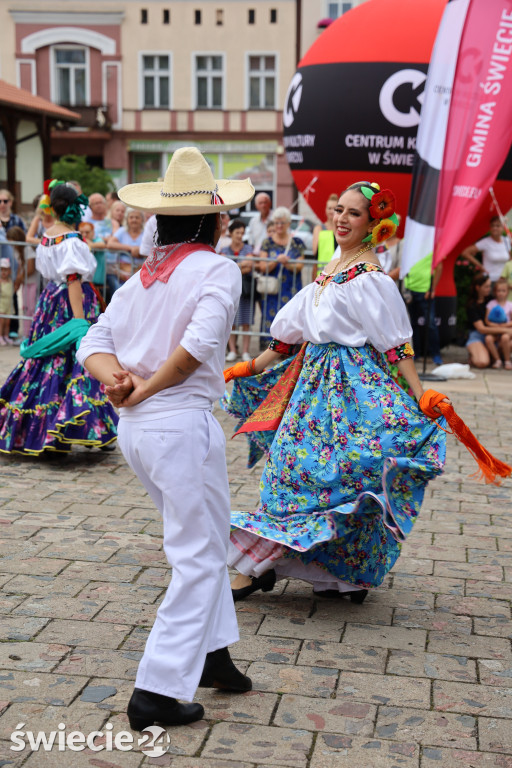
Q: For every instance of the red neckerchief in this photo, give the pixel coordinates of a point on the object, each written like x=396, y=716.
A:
x=164, y=260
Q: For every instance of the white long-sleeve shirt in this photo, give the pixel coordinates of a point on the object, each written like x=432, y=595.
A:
x=365, y=309
x=143, y=327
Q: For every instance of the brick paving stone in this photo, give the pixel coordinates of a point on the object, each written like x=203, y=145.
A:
x=474, y=646
x=92, y=662
x=342, y=656
x=485, y=557
x=474, y=606
x=9, y=602
x=36, y=566
x=141, y=558
x=472, y=699
x=434, y=584
x=59, y=607
x=170, y=761
x=406, y=595
x=20, y=628
x=494, y=672
x=132, y=593
x=384, y=689
x=85, y=759
x=47, y=520
x=32, y=657
x=287, y=606
x=301, y=628
x=128, y=613
x=433, y=757
x=461, y=540
x=371, y=612
x=420, y=566
x=466, y=570
x=495, y=735
x=384, y=637
x=494, y=627
x=277, y=678
x=491, y=589
x=252, y=707
x=428, y=728
x=155, y=577
x=82, y=633
x=41, y=688
x=340, y=751
x=14, y=531
x=433, y=665
x=338, y=716
x=276, y=650
x=93, y=552
x=101, y=572
x=41, y=585
x=117, y=524
x=259, y=744
x=440, y=620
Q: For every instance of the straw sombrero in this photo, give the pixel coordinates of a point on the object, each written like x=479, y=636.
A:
x=188, y=189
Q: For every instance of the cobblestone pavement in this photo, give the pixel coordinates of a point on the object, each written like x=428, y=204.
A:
x=420, y=675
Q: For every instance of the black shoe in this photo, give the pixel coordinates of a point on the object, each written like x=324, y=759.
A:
x=146, y=708
x=358, y=597
x=265, y=582
x=355, y=597
x=220, y=672
x=108, y=447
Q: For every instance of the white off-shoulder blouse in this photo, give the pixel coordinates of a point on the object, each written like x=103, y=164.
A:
x=359, y=306
x=58, y=257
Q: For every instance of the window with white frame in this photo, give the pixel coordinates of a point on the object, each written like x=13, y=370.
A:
x=338, y=8
x=262, y=81
x=156, y=81
x=71, y=75
x=209, y=81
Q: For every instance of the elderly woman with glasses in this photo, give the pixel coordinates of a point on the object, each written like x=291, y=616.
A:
x=282, y=256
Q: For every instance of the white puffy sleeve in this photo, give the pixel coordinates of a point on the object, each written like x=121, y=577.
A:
x=376, y=305
x=73, y=257
x=288, y=325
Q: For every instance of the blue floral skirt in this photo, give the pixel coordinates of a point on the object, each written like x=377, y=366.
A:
x=50, y=403
x=347, y=467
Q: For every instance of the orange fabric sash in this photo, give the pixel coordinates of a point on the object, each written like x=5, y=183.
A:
x=492, y=468
x=268, y=415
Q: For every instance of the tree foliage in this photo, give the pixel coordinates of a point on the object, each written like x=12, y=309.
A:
x=91, y=178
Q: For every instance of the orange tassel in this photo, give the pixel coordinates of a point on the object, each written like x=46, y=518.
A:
x=492, y=468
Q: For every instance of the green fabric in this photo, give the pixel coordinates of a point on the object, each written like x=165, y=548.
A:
x=68, y=335
x=419, y=277
x=326, y=247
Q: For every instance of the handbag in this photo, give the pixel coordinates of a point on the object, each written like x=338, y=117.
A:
x=268, y=283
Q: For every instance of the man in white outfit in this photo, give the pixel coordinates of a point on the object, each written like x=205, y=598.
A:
x=159, y=348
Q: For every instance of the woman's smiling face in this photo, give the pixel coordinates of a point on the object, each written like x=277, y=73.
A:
x=351, y=220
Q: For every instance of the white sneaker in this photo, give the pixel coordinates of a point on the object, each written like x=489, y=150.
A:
x=246, y=357
x=230, y=357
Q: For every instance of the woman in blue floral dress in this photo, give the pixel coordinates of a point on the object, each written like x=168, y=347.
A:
x=281, y=256
x=349, y=460
x=49, y=402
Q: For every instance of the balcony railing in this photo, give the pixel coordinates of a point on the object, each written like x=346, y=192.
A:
x=93, y=116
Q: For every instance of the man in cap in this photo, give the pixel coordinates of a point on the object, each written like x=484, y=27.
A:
x=159, y=348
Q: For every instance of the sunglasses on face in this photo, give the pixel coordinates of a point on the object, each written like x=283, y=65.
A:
x=5, y=201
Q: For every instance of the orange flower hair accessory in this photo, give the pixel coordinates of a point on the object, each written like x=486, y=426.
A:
x=383, y=231
x=382, y=207
x=382, y=204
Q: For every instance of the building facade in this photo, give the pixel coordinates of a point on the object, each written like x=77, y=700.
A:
x=148, y=77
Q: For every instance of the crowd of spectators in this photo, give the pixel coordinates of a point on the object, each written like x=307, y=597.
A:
x=271, y=258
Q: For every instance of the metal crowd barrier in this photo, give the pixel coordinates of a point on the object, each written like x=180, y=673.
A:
x=259, y=306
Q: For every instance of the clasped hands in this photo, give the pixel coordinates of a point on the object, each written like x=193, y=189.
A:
x=129, y=390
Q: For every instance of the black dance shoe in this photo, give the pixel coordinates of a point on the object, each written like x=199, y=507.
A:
x=265, y=582
x=220, y=672
x=146, y=708
x=355, y=597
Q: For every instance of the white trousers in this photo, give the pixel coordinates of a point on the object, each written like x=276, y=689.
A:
x=180, y=460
